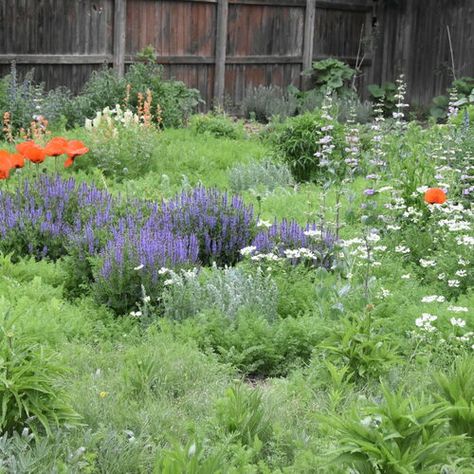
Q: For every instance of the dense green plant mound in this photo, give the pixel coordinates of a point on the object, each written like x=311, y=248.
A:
x=300, y=141
x=217, y=125
x=29, y=385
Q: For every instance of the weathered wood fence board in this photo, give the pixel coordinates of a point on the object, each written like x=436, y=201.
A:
x=224, y=47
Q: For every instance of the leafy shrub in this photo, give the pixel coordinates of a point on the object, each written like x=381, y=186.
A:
x=402, y=434
x=227, y=290
x=29, y=385
x=217, y=125
x=457, y=390
x=119, y=151
x=189, y=459
x=298, y=139
x=241, y=414
x=264, y=102
x=332, y=75
x=265, y=174
x=105, y=89
x=357, y=345
x=25, y=100
x=385, y=95
x=251, y=343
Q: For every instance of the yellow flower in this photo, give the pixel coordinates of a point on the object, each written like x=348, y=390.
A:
x=103, y=394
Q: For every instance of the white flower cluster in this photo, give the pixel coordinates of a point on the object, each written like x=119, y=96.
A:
x=424, y=323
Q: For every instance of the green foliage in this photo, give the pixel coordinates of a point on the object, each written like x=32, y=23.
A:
x=242, y=415
x=252, y=344
x=24, y=99
x=105, y=89
x=298, y=139
x=457, y=390
x=226, y=290
x=264, y=102
x=440, y=107
x=29, y=385
x=357, y=345
x=384, y=94
x=120, y=152
x=189, y=459
x=402, y=435
x=265, y=176
x=217, y=125
x=332, y=75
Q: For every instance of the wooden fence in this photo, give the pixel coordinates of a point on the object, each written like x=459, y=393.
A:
x=224, y=47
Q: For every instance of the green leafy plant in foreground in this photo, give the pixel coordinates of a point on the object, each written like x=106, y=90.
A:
x=457, y=390
x=29, y=394
x=402, y=435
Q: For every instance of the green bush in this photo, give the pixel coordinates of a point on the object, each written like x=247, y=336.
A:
x=298, y=139
x=217, y=125
x=259, y=175
x=400, y=435
x=105, y=89
x=332, y=75
x=120, y=152
x=457, y=390
x=264, y=102
x=29, y=385
x=251, y=343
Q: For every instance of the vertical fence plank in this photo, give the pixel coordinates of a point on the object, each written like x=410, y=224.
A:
x=120, y=7
x=308, y=41
x=221, y=46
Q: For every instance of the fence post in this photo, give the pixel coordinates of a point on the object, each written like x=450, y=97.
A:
x=221, y=46
x=120, y=7
x=308, y=40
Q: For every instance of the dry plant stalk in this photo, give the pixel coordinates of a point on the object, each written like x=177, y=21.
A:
x=7, y=127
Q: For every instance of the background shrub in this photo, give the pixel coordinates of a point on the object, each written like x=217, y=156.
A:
x=217, y=125
x=264, y=102
x=227, y=290
x=264, y=175
x=298, y=139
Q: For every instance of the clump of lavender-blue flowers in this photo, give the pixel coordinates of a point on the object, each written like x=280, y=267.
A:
x=289, y=240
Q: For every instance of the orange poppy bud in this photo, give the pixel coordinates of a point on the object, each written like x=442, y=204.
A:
x=435, y=196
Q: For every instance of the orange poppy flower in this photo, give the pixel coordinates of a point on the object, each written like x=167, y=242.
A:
x=435, y=196
x=4, y=172
x=74, y=149
x=34, y=153
x=56, y=146
x=17, y=160
x=21, y=147
x=5, y=164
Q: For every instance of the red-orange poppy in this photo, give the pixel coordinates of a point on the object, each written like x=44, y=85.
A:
x=17, y=160
x=34, y=153
x=74, y=149
x=5, y=164
x=21, y=147
x=435, y=196
x=56, y=146
x=4, y=172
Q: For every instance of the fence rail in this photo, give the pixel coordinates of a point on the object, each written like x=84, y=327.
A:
x=223, y=47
